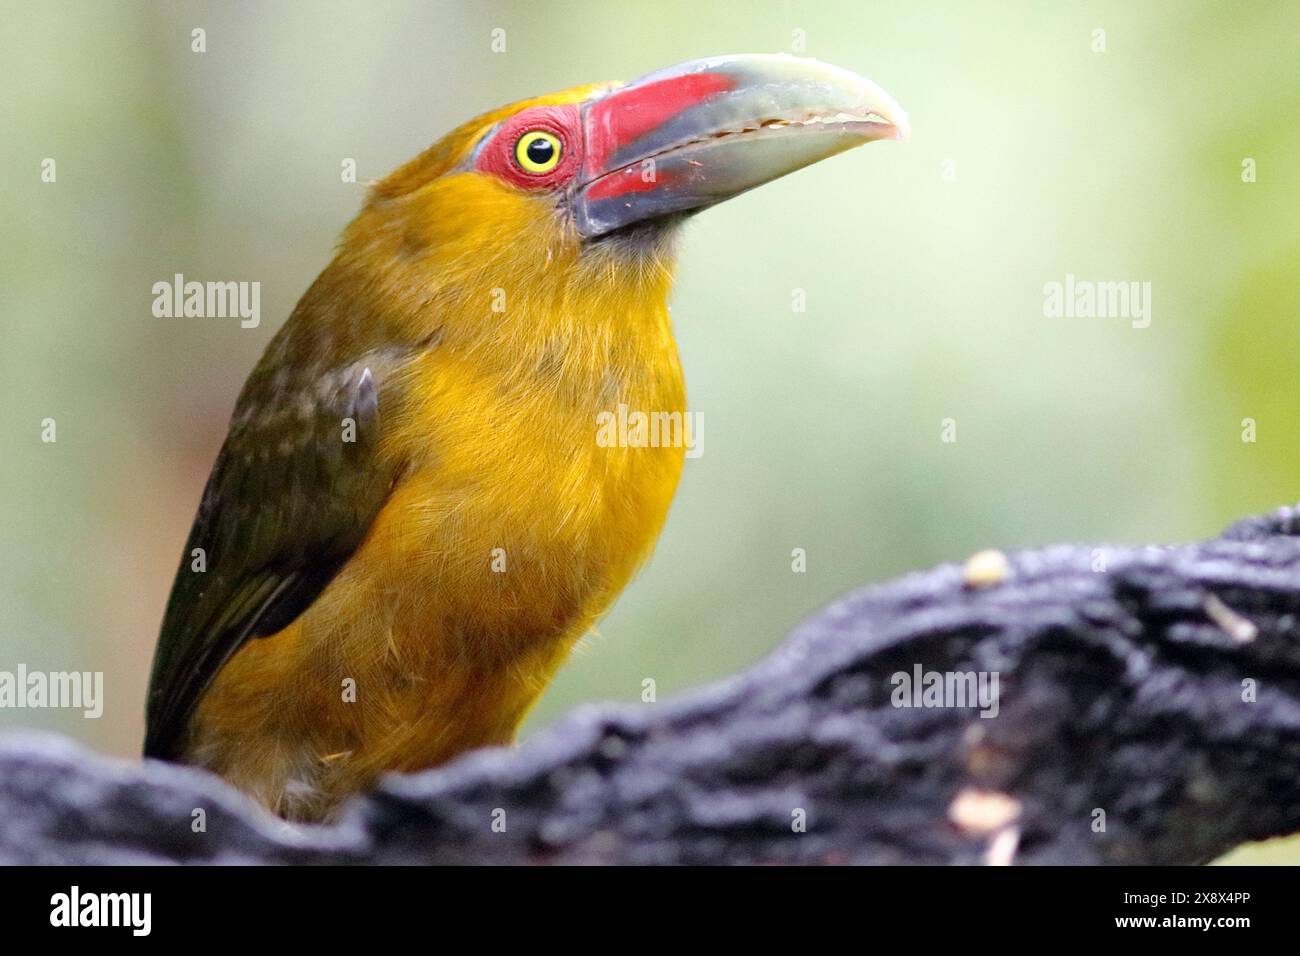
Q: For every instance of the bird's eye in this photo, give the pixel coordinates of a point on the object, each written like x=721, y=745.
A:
x=537, y=152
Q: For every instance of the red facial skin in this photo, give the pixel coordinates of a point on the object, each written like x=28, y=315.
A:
x=613, y=121
x=563, y=122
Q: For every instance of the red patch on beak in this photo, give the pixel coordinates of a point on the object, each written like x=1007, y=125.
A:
x=625, y=183
x=625, y=115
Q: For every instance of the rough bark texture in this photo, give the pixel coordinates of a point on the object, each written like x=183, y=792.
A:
x=1121, y=692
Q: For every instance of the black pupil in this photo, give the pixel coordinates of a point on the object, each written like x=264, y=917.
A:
x=541, y=151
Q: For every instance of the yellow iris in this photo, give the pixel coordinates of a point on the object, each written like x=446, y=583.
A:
x=537, y=151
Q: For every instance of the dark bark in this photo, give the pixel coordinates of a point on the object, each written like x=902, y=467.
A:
x=1124, y=690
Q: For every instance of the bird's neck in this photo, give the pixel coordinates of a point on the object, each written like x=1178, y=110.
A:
x=531, y=305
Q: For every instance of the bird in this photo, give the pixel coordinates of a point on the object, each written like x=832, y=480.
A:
x=411, y=521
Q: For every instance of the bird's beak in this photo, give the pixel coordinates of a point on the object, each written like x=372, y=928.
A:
x=701, y=132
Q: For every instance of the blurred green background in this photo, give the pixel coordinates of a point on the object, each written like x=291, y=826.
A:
x=821, y=429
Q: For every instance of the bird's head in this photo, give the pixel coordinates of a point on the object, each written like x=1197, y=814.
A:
x=567, y=203
x=596, y=163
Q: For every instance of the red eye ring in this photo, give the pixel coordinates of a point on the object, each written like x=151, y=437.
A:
x=557, y=125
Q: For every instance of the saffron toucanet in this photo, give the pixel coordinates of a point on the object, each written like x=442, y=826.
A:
x=410, y=522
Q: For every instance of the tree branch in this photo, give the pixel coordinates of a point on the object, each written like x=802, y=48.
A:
x=1156, y=690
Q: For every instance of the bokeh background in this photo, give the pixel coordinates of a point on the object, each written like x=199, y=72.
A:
x=821, y=429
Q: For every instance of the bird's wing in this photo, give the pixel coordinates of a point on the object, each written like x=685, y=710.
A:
x=288, y=501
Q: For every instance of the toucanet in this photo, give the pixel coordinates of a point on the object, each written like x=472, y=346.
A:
x=412, y=521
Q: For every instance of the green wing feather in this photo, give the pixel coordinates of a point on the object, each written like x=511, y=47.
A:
x=288, y=501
